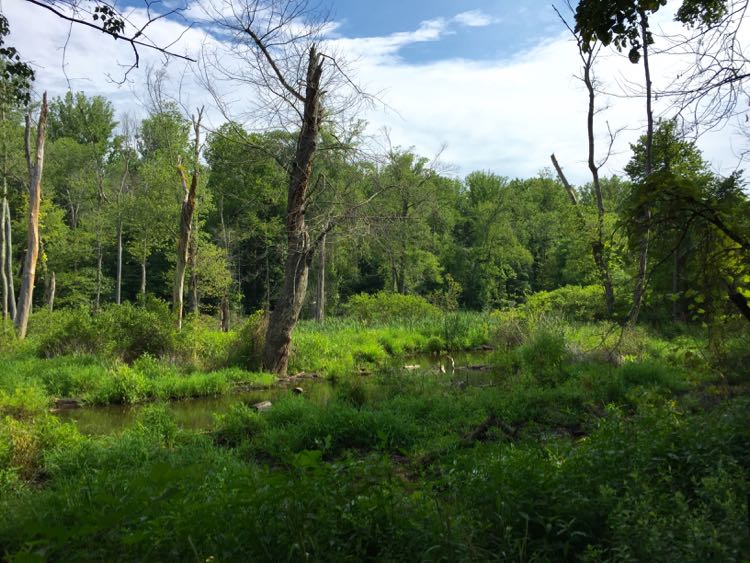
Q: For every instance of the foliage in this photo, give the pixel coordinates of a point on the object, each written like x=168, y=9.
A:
x=575, y=303
x=386, y=307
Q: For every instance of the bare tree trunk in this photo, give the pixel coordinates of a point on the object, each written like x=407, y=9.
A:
x=8, y=264
x=36, y=166
x=225, y=313
x=3, y=249
x=643, y=243
x=49, y=291
x=99, y=256
x=193, y=263
x=598, y=246
x=186, y=223
x=300, y=252
x=118, y=290
x=143, y=275
x=320, y=289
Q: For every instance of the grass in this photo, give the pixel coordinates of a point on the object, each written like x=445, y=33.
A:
x=571, y=454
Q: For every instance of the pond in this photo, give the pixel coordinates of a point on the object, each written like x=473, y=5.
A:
x=467, y=369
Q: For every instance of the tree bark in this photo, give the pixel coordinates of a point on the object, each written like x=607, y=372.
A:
x=225, y=313
x=300, y=251
x=193, y=263
x=36, y=166
x=643, y=243
x=143, y=275
x=320, y=289
x=118, y=290
x=99, y=258
x=8, y=264
x=3, y=274
x=186, y=223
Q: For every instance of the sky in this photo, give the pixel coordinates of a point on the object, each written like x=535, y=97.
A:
x=485, y=84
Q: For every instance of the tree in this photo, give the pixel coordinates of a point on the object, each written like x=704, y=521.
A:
x=36, y=167
x=280, y=42
x=625, y=24
x=186, y=220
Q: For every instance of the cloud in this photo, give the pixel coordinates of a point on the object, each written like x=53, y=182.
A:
x=474, y=18
x=505, y=115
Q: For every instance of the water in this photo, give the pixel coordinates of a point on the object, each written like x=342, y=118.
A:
x=199, y=413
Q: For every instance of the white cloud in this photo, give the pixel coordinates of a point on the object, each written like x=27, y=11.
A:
x=474, y=18
x=505, y=115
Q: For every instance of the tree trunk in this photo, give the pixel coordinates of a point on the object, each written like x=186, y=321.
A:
x=643, y=243
x=49, y=292
x=36, y=166
x=8, y=265
x=3, y=273
x=118, y=290
x=300, y=252
x=597, y=246
x=320, y=289
x=186, y=223
x=143, y=276
x=225, y=313
x=193, y=262
x=99, y=256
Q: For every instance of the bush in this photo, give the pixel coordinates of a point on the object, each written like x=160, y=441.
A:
x=240, y=423
x=385, y=306
x=544, y=355
x=73, y=331
x=247, y=348
x=125, y=331
x=138, y=330
x=573, y=302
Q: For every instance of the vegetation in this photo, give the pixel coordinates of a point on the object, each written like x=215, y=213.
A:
x=485, y=368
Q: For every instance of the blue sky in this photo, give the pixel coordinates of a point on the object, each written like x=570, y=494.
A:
x=517, y=25
x=486, y=84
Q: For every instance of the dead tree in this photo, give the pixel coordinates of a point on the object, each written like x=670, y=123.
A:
x=186, y=221
x=280, y=55
x=35, y=166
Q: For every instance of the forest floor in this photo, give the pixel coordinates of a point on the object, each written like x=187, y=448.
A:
x=558, y=450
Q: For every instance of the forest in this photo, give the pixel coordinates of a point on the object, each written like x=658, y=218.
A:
x=235, y=341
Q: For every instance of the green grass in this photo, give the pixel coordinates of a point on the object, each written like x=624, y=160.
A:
x=570, y=454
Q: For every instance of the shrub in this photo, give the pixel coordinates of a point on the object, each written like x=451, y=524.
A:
x=573, y=302
x=68, y=332
x=126, y=331
x=385, y=306
x=544, y=355
x=247, y=349
x=240, y=423
x=138, y=330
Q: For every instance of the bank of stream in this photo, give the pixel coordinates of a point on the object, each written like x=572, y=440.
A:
x=463, y=369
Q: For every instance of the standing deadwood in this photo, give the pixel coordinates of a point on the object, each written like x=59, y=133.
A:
x=36, y=166
x=300, y=250
x=193, y=263
x=278, y=40
x=186, y=222
x=320, y=289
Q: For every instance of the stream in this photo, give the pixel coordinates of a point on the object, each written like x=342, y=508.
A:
x=471, y=369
